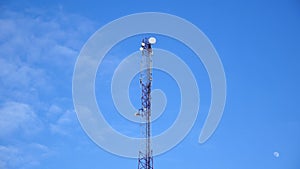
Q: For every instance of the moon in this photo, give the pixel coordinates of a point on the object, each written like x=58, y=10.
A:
x=276, y=154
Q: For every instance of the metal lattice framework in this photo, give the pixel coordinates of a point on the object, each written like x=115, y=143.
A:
x=145, y=160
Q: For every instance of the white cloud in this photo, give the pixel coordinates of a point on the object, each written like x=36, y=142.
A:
x=22, y=156
x=64, y=123
x=38, y=49
x=18, y=117
x=20, y=80
x=54, y=110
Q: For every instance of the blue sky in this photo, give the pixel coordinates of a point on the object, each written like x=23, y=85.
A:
x=257, y=41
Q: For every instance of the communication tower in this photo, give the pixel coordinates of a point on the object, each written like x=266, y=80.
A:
x=145, y=160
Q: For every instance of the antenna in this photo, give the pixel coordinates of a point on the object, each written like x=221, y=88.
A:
x=145, y=160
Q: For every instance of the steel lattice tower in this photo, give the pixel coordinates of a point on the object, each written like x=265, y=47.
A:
x=145, y=160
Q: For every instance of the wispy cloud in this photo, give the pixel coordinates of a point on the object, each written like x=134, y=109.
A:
x=20, y=81
x=18, y=118
x=64, y=123
x=38, y=49
x=22, y=156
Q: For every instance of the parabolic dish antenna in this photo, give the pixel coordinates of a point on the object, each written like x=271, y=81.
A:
x=152, y=40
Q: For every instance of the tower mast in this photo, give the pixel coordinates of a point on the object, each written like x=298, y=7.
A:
x=145, y=160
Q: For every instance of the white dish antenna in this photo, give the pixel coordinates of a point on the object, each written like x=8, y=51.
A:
x=152, y=40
